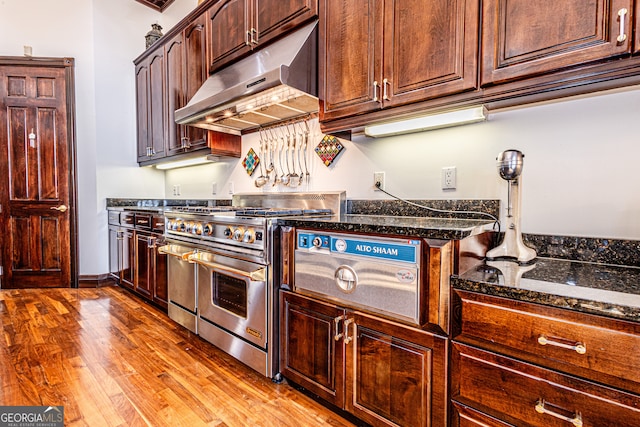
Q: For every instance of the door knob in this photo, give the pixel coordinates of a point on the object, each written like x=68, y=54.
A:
x=61, y=208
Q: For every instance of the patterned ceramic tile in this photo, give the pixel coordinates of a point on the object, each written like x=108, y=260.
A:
x=328, y=149
x=251, y=161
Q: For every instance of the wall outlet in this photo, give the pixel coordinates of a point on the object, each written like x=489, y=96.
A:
x=449, y=178
x=214, y=188
x=378, y=181
x=176, y=190
x=231, y=188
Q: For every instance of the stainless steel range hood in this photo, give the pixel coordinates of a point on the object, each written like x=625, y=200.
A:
x=273, y=84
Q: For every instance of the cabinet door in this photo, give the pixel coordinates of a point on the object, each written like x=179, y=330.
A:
x=196, y=72
x=156, y=106
x=127, y=258
x=311, y=351
x=159, y=275
x=430, y=49
x=115, y=240
x=174, y=59
x=395, y=375
x=143, y=279
x=350, y=58
x=228, y=32
x=142, y=110
x=272, y=18
x=521, y=38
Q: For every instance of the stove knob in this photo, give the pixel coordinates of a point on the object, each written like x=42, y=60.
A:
x=197, y=228
x=180, y=225
x=207, y=229
x=249, y=236
x=316, y=242
x=228, y=232
x=189, y=226
x=238, y=234
x=171, y=224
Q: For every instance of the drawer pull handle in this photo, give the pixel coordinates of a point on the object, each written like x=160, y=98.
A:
x=577, y=347
x=576, y=420
x=338, y=335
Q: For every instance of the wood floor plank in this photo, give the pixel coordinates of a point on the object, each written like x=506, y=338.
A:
x=112, y=360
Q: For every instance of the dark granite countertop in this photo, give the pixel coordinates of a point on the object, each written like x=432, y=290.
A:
x=428, y=227
x=607, y=290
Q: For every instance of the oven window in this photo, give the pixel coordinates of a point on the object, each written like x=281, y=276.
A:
x=230, y=293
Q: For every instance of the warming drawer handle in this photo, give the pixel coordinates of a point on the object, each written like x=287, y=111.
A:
x=541, y=408
x=256, y=276
x=578, y=347
x=183, y=256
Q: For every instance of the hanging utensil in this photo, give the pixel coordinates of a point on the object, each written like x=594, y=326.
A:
x=262, y=179
x=306, y=143
x=284, y=179
x=270, y=140
x=294, y=177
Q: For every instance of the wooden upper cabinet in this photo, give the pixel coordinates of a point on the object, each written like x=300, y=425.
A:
x=150, y=96
x=272, y=18
x=196, y=72
x=228, y=32
x=186, y=72
x=636, y=20
x=350, y=51
x=522, y=39
x=238, y=26
x=174, y=58
x=383, y=53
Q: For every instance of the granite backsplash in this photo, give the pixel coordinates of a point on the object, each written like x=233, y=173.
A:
x=583, y=249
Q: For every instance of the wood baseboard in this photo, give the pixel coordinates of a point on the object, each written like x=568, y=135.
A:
x=95, y=281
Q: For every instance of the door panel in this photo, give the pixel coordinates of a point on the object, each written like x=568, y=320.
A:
x=34, y=171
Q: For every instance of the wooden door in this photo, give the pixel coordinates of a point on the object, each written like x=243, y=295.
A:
x=127, y=258
x=311, y=349
x=157, y=117
x=430, y=49
x=350, y=67
x=196, y=72
x=272, y=18
x=36, y=162
x=159, y=273
x=143, y=269
x=228, y=32
x=521, y=38
x=395, y=375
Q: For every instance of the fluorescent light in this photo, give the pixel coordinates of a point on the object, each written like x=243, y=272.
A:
x=435, y=121
x=187, y=162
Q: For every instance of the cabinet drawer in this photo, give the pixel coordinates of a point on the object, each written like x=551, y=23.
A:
x=114, y=218
x=464, y=416
x=157, y=223
x=127, y=218
x=143, y=221
x=594, y=347
x=527, y=395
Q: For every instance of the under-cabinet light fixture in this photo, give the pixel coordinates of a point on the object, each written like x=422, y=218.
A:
x=434, y=121
x=188, y=162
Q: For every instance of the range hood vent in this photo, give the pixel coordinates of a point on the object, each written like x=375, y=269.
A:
x=272, y=85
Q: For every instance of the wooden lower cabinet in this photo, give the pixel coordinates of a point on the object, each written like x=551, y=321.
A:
x=524, y=364
x=384, y=373
x=523, y=394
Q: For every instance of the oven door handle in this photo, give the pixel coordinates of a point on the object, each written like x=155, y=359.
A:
x=256, y=276
x=184, y=256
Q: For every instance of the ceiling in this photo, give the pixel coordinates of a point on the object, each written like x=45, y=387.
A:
x=159, y=5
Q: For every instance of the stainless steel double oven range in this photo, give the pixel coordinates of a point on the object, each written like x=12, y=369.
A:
x=223, y=266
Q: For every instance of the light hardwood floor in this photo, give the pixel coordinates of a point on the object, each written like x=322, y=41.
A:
x=112, y=360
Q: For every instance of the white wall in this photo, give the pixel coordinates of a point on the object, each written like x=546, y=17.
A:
x=580, y=167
